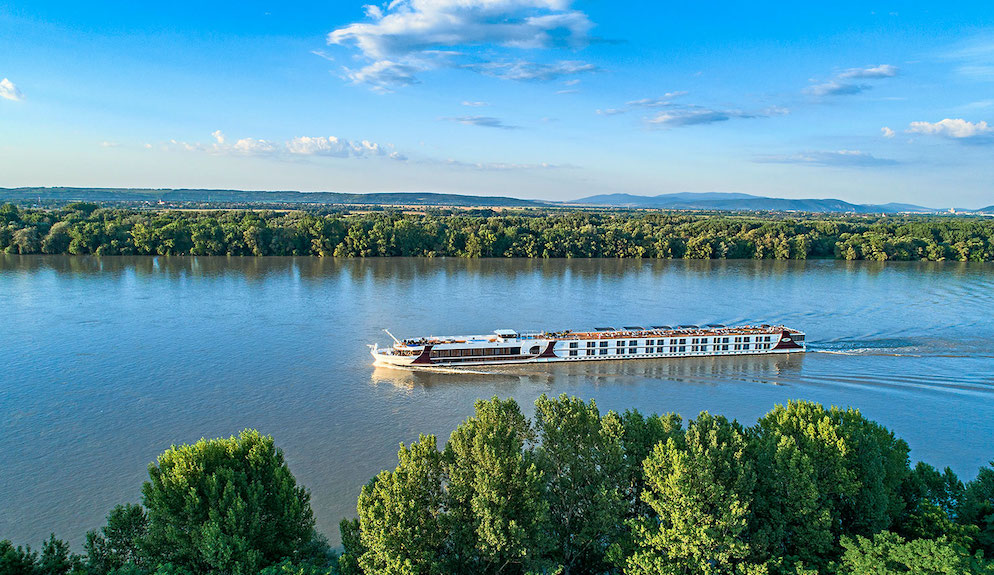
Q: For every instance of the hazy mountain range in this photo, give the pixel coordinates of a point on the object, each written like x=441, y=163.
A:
x=680, y=201
x=731, y=201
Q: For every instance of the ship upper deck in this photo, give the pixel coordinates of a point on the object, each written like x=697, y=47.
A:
x=507, y=336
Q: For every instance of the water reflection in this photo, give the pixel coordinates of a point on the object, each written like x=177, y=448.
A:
x=771, y=369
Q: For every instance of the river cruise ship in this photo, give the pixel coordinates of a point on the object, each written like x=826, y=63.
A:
x=629, y=342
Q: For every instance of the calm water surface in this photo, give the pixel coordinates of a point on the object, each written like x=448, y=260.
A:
x=106, y=362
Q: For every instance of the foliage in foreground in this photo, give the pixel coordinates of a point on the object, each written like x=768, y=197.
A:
x=84, y=228
x=804, y=491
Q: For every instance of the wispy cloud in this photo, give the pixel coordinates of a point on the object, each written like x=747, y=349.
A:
x=974, y=58
x=664, y=100
x=475, y=104
x=505, y=166
x=680, y=116
x=666, y=112
x=955, y=129
x=9, y=91
x=840, y=158
x=842, y=83
x=693, y=117
x=483, y=122
x=886, y=132
x=408, y=37
x=871, y=72
x=531, y=71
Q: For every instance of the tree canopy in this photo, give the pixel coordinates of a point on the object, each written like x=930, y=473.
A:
x=84, y=228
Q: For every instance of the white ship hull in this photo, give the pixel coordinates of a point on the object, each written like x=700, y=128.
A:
x=510, y=347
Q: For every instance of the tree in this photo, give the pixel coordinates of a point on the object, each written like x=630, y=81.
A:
x=582, y=458
x=225, y=506
x=837, y=464
x=16, y=560
x=120, y=542
x=700, y=491
x=889, y=554
x=400, y=514
x=498, y=516
x=977, y=508
x=56, y=558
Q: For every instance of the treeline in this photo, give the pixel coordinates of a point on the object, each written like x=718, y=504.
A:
x=84, y=228
x=804, y=491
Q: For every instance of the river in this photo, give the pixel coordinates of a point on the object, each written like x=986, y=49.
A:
x=106, y=362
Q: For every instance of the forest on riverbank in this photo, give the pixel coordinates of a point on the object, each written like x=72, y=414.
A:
x=804, y=491
x=85, y=228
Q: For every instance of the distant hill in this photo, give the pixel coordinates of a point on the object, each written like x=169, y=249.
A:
x=105, y=195
x=987, y=210
x=723, y=201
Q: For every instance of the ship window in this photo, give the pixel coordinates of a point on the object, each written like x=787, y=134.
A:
x=683, y=348
x=650, y=342
x=590, y=352
x=534, y=349
x=603, y=352
x=738, y=340
x=591, y=344
x=573, y=352
x=603, y=344
x=633, y=343
x=574, y=344
x=515, y=351
x=683, y=341
x=746, y=339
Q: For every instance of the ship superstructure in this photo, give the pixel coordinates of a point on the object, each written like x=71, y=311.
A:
x=601, y=343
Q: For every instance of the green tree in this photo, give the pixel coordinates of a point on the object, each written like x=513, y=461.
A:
x=977, y=508
x=120, y=542
x=700, y=491
x=400, y=514
x=225, y=506
x=16, y=560
x=889, y=554
x=498, y=515
x=582, y=457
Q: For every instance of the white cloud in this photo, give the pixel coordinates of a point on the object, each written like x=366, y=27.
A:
x=956, y=129
x=412, y=36
x=254, y=147
x=9, y=91
x=887, y=132
x=338, y=148
x=328, y=146
x=475, y=104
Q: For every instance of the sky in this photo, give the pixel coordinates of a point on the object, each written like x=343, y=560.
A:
x=869, y=102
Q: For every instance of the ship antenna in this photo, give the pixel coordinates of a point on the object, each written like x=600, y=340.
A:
x=391, y=336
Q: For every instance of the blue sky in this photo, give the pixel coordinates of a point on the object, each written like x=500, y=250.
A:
x=557, y=99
